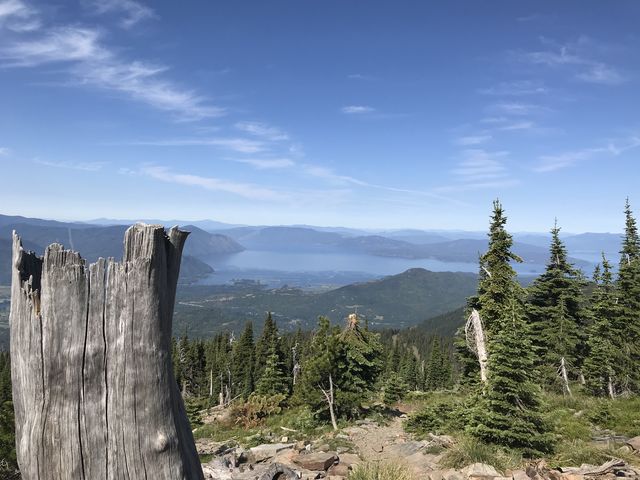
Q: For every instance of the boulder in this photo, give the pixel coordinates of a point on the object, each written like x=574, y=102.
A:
x=349, y=459
x=480, y=471
x=216, y=470
x=520, y=475
x=266, y=451
x=451, y=474
x=634, y=443
x=316, y=461
x=209, y=447
x=447, y=474
x=339, y=470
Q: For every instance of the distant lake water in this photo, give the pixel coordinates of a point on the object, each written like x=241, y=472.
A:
x=314, y=269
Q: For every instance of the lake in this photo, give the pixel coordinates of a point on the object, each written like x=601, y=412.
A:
x=325, y=269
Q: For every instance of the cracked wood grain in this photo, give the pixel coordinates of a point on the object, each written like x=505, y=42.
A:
x=93, y=386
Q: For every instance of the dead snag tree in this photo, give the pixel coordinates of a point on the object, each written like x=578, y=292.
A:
x=93, y=386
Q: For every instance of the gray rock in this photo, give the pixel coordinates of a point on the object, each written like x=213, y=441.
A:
x=520, y=475
x=266, y=451
x=634, y=443
x=480, y=471
x=316, y=461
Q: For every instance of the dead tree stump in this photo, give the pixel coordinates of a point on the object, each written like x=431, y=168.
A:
x=93, y=385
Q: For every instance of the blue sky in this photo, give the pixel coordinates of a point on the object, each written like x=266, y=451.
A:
x=364, y=114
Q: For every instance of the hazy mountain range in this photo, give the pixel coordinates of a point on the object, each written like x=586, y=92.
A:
x=210, y=239
x=396, y=301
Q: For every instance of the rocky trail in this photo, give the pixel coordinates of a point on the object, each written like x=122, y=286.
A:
x=368, y=441
x=389, y=443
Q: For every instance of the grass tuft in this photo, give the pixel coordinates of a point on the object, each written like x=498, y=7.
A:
x=469, y=450
x=380, y=471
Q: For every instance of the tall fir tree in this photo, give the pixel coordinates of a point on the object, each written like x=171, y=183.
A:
x=409, y=371
x=243, y=363
x=318, y=365
x=557, y=317
x=508, y=411
x=267, y=340
x=359, y=362
x=602, y=367
x=273, y=380
x=628, y=287
x=438, y=368
x=351, y=358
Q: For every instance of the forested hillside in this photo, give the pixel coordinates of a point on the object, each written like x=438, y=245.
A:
x=558, y=337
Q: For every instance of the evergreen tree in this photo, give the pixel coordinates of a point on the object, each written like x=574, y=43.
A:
x=7, y=420
x=273, y=380
x=556, y=316
x=438, y=369
x=409, y=371
x=359, y=363
x=628, y=286
x=602, y=365
x=351, y=358
x=243, y=363
x=393, y=390
x=267, y=341
x=507, y=413
x=318, y=365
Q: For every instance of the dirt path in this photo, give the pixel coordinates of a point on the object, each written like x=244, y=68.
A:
x=389, y=443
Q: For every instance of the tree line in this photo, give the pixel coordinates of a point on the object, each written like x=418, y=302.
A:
x=564, y=331
x=335, y=368
x=560, y=332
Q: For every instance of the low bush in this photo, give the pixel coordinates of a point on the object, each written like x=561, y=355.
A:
x=440, y=417
x=257, y=408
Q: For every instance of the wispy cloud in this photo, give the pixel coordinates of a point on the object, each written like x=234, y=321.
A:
x=473, y=140
x=515, y=89
x=262, y=130
x=360, y=76
x=267, y=163
x=507, y=124
x=516, y=108
x=83, y=166
x=338, y=179
x=16, y=15
x=357, y=109
x=521, y=125
x=578, y=56
x=133, y=12
x=480, y=169
x=239, y=145
x=143, y=82
x=92, y=64
x=60, y=44
x=551, y=163
x=245, y=190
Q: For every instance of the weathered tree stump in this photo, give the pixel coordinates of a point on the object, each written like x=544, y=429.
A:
x=93, y=385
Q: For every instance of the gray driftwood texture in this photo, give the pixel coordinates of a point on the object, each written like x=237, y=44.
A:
x=93, y=385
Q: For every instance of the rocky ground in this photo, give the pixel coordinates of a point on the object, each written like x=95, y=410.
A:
x=368, y=441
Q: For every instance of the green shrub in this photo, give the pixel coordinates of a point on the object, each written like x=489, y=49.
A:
x=257, y=408
x=437, y=418
x=380, y=471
